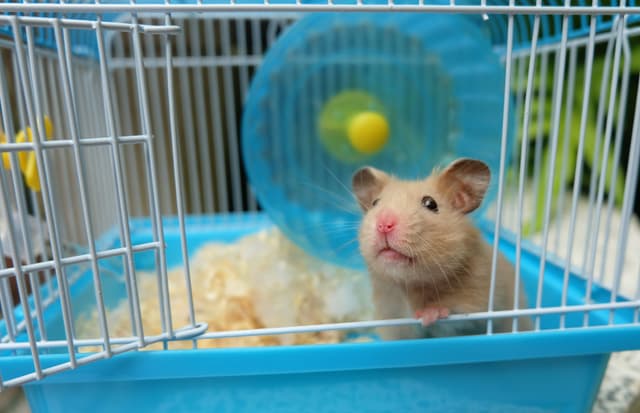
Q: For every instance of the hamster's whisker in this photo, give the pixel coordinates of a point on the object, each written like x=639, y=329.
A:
x=435, y=287
x=347, y=204
x=346, y=244
x=334, y=225
x=433, y=258
x=338, y=180
x=412, y=258
x=336, y=231
x=331, y=226
x=341, y=197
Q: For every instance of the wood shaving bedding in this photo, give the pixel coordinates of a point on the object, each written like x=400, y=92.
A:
x=262, y=280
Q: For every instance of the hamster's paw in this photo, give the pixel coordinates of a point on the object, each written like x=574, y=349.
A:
x=430, y=315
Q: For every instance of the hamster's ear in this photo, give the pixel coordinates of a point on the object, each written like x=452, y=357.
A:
x=367, y=183
x=465, y=182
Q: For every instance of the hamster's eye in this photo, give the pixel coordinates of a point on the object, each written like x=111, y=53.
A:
x=429, y=203
x=375, y=202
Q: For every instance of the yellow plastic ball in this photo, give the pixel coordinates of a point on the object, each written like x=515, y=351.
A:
x=368, y=132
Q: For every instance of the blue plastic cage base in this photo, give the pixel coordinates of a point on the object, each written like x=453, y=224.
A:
x=509, y=386
x=544, y=371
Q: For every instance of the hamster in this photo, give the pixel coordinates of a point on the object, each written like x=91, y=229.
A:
x=425, y=257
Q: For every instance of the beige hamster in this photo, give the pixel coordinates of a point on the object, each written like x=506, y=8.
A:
x=425, y=257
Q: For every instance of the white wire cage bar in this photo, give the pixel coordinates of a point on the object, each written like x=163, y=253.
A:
x=471, y=7
x=141, y=105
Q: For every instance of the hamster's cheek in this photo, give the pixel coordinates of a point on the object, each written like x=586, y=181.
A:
x=367, y=228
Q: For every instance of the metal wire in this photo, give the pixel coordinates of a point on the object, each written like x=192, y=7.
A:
x=523, y=160
x=503, y=154
x=544, y=61
x=234, y=148
x=178, y=181
x=573, y=56
x=157, y=117
x=599, y=126
x=158, y=232
x=510, y=9
x=28, y=244
x=188, y=125
x=131, y=167
x=604, y=162
x=44, y=178
x=121, y=195
x=621, y=107
x=579, y=163
x=557, y=101
x=82, y=186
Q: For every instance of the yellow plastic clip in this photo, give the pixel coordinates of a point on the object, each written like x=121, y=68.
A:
x=27, y=159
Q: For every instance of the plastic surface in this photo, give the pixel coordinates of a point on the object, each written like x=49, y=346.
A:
x=559, y=385
x=557, y=371
x=434, y=78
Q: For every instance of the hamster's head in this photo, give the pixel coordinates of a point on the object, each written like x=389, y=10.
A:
x=417, y=229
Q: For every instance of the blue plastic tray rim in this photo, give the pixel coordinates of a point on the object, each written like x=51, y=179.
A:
x=231, y=362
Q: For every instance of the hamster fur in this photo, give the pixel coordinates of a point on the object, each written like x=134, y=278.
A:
x=425, y=257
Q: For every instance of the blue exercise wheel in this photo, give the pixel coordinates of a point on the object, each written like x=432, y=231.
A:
x=403, y=92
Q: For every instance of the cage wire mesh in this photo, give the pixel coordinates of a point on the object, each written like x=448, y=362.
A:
x=145, y=101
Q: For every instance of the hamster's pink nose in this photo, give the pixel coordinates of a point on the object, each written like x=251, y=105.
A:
x=386, y=222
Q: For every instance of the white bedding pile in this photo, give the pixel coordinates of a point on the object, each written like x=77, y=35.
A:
x=262, y=280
